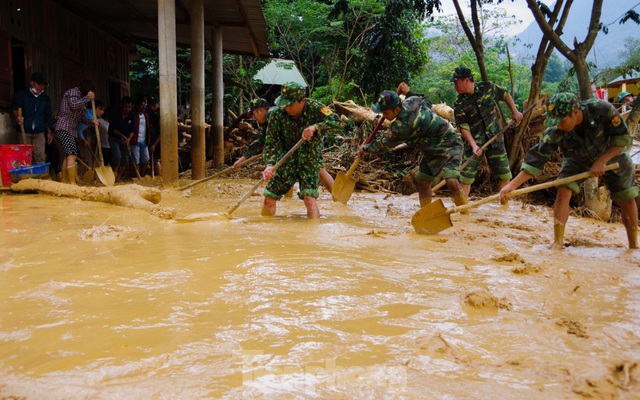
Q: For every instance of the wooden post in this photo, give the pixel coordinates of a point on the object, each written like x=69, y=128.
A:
x=198, y=146
x=217, y=111
x=168, y=91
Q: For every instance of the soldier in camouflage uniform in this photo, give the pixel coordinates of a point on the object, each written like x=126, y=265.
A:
x=476, y=110
x=416, y=125
x=296, y=116
x=590, y=135
x=260, y=110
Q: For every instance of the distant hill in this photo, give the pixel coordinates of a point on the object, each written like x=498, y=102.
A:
x=607, y=48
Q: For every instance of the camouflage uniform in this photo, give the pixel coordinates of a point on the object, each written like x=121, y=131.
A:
x=304, y=165
x=420, y=128
x=257, y=145
x=603, y=128
x=477, y=113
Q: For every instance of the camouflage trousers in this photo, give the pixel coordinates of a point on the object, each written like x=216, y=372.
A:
x=303, y=169
x=443, y=160
x=621, y=182
x=497, y=159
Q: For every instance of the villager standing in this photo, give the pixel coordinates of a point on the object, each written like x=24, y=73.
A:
x=296, y=117
x=72, y=112
x=476, y=112
x=139, y=142
x=36, y=115
x=590, y=134
x=121, y=128
x=416, y=125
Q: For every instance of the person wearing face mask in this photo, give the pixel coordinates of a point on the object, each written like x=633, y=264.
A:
x=590, y=134
x=36, y=115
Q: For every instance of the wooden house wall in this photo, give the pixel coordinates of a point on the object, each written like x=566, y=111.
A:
x=61, y=45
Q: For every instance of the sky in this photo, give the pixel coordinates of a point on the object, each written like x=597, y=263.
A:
x=518, y=8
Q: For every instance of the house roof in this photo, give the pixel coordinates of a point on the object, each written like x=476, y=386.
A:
x=633, y=77
x=244, y=29
x=279, y=71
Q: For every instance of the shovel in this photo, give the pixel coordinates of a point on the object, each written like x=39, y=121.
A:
x=344, y=184
x=135, y=166
x=22, y=134
x=89, y=174
x=434, y=217
x=275, y=167
x=484, y=146
x=105, y=174
x=224, y=171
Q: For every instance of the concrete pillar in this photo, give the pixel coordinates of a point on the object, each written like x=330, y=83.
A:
x=198, y=146
x=168, y=90
x=217, y=111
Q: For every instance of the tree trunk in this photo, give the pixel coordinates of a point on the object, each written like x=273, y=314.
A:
x=582, y=73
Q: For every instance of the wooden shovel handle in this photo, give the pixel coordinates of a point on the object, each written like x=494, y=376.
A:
x=484, y=146
x=224, y=171
x=257, y=184
x=533, y=188
x=95, y=118
x=23, y=136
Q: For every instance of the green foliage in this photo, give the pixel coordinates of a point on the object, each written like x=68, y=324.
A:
x=449, y=48
x=376, y=44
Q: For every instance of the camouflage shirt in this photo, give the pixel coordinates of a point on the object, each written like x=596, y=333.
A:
x=257, y=145
x=417, y=126
x=478, y=112
x=285, y=131
x=602, y=128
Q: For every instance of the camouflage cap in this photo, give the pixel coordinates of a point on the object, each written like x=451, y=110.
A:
x=559, y=106
x=461, y=73
x=290, y=93
x=388, y=100
x=258, y=103
x=621, y=96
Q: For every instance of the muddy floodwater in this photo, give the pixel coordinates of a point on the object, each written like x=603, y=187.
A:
x=104, y=302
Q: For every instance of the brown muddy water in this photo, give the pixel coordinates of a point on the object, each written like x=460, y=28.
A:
x=102, y=302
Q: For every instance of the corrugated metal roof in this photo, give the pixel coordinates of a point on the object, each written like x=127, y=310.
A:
x=280, y=71
x=633, y=77
x=242, y=22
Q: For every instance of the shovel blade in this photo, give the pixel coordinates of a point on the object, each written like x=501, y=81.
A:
x=106, y=176
x=343, y=187
x=431, y=219
x=89, y=176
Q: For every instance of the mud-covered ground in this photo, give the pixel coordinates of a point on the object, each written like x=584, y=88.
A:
x=105, y=301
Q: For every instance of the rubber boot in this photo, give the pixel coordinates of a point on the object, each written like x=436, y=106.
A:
x=460, y=199
x=424, y=201
x=64, y=177
x=558, y=235
x=71, y=174
x=632, y=235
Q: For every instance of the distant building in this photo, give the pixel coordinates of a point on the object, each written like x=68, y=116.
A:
x=628, y=83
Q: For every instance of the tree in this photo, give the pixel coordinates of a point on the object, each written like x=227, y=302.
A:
x=350, y=24
x=297, y=32
x=556, y=19
x=475, y=37
x=577, y=55
x=449, y=48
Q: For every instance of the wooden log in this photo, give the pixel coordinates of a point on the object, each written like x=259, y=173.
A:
x=130, y=196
